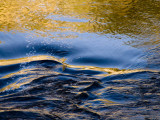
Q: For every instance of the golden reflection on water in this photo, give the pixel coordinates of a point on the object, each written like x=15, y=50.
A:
x=104, y=101
x=32, y=74
x=135, y=18
x=4, y=62
x=105, y=16
x=131, y=17
x=25, y=80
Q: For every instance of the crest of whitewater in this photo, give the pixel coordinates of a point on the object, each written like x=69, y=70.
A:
x=79, y=60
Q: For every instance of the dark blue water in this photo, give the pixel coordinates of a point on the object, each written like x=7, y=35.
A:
x=79, y=60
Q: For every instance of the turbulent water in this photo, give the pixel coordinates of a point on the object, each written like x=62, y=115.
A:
x=73, y=60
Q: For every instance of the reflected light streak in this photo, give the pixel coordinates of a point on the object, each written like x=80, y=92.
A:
x=32, y=74
x=29, y=59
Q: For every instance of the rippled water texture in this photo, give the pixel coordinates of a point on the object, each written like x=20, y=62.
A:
x=79, y=59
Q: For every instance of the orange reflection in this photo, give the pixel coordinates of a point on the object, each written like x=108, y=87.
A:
x=39, y=72
x=29, y=59
x=105, y=16
x=30, y=75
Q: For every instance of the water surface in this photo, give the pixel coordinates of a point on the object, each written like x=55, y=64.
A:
x=91, y=57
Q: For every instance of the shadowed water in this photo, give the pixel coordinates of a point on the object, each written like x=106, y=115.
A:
x=71, y=60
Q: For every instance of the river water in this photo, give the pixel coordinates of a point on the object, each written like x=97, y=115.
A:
x=86, y=59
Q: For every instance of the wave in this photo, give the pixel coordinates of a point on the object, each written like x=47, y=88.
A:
x=46, y=87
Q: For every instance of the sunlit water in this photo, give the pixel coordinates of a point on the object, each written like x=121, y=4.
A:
x=69, y=59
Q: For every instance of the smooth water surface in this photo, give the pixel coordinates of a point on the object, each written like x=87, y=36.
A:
x=85, y=59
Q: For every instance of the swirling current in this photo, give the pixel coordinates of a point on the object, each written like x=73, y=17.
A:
x=79, y=60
